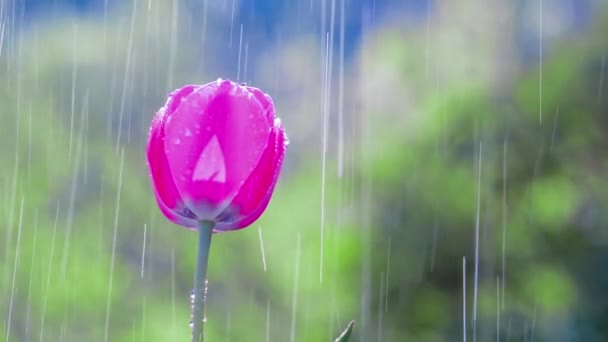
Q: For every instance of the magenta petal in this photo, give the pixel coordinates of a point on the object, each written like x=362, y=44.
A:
x=215, y=153
x=174, y=217
x=254, y=196
x=265, y=102
x=166, y=193
x=213, y=141
x=176, y=97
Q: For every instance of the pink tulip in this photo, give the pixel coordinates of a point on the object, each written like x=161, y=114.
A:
x=215, y=152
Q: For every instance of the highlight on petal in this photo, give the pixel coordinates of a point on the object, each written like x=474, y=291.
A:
x=213, y=141
x=211, y=165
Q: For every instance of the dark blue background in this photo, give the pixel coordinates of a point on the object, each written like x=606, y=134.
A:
x=259, y=17
x=264, y=21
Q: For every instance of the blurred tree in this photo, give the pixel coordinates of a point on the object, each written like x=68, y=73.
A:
x=525, y=171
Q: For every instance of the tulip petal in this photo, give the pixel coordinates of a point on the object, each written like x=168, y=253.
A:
x=175, y=99
x=214, y=140
x=265, y=101
x=176, y=218
x=254, y=196
x=166, y=193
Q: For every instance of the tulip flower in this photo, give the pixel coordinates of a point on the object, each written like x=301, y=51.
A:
x=215, y=152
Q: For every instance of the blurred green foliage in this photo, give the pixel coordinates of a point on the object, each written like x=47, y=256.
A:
x=542, y=186
x=77, y=207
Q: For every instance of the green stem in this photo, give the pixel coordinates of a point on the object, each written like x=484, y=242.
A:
x=200, y=280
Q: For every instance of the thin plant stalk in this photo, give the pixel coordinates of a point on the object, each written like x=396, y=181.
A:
x=199, y=292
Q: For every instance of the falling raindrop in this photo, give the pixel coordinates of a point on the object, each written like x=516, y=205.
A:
x=16, y=263
x=143, y=250
x=262, y=248
x=600, y=88
x=296, y=284
x=464, y=299
x=114, y=239
x=477, y=223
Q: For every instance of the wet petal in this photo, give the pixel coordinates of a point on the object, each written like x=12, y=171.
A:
x=166, y=193
x=265, y=102
x=214, y=140
x=174, y=217
x=254, y=196
x=176, y=97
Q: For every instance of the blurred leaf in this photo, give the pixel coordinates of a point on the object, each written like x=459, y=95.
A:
x=345, y=335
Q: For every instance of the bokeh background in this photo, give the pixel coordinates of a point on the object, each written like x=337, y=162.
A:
x=446, y=174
